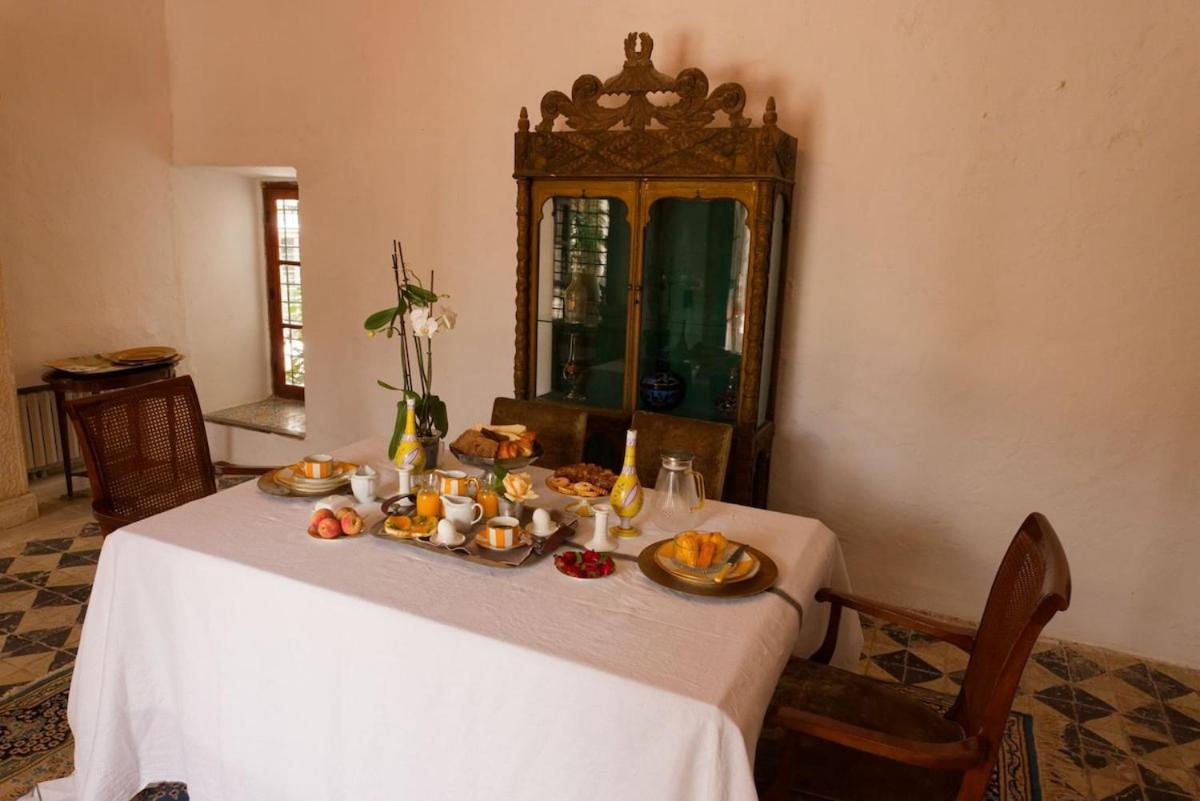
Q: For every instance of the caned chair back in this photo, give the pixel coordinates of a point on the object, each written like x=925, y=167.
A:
x=710, y=443
x=1032, y=584
x=145, y=448
x=560, y=429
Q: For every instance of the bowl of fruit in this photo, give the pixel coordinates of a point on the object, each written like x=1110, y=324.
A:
x=327, y=524
x=586, y=564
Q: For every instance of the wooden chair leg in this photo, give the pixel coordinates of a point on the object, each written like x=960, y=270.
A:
x=785, y=773
x=824, y=654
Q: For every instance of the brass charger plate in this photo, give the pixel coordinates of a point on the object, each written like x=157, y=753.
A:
x=153, y=353
x=763, y=580
x=268, y=484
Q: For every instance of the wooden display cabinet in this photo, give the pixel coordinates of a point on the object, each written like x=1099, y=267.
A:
x=651, y=246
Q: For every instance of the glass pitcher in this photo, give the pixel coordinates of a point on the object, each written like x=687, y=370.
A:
x=679, y=492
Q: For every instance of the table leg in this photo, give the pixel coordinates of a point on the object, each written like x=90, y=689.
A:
x=60, y=408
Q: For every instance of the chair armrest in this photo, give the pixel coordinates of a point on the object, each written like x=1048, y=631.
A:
x=229, y=469
x=960, y=636
x=957, y=755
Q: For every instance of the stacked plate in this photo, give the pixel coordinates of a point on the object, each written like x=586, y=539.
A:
x=142, y=356
x=292, y=477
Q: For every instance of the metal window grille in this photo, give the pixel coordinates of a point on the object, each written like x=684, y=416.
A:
x=580, y=240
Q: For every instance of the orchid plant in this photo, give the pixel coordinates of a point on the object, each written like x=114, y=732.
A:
x=419, y=315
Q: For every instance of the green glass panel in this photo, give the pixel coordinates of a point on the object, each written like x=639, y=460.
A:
x=583, y=279
x=693, y=307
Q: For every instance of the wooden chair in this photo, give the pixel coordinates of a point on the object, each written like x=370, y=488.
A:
x=850, y=737
x=708, y=442
x=560, y=429
x=146, y=450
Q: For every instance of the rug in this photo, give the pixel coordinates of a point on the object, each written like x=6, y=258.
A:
x=1016, y=777
x=36, y=744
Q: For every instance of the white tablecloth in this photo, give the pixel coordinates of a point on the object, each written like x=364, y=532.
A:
x=227, y=649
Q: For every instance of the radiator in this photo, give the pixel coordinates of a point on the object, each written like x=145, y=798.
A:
x=39, y=429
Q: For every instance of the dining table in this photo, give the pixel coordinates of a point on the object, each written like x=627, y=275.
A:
x=226, y=648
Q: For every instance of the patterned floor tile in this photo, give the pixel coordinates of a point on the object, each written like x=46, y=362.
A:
x=76, y=576
x=47, y=617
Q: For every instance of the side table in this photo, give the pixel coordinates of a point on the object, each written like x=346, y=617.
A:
x=62, y=382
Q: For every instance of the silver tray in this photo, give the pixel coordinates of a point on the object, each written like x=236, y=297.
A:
x=488, y=463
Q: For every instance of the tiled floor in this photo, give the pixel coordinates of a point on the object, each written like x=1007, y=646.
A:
x=1108, y=726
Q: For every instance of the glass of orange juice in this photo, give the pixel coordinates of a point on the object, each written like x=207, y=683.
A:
x=489, y=500
x=429, y=501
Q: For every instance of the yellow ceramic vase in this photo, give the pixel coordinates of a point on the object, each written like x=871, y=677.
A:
x=410, y=451
x=627, y=497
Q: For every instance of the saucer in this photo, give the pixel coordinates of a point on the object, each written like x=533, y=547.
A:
x=482, y=541
x=459, y=539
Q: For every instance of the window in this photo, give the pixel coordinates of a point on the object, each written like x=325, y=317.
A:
x=285, y=311
x=580, y=242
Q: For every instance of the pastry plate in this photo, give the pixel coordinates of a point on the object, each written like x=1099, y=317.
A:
x=567, y=493
x=406, y=535
x=763, y=579
x=488, y=462
x=746, y=568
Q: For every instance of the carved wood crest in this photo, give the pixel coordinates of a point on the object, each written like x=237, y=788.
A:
x=695, y=108
x=651, y=133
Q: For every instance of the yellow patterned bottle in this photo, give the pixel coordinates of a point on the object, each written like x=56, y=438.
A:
x=627, y=496
x=410, y=451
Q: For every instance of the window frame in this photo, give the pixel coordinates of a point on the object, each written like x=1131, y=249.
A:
x=272, y=191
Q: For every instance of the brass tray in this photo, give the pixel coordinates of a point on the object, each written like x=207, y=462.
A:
x=152, y=354
x=768, y=572
x=99, y=364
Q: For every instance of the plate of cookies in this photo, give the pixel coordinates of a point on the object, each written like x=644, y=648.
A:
x=582, y=480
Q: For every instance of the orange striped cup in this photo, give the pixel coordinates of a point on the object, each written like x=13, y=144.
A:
x=319, y=465
x=503, y=532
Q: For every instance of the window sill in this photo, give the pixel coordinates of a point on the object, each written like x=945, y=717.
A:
x=269, y=415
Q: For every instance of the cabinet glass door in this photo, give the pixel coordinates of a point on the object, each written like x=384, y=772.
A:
x=583, y=298
x=694, y=280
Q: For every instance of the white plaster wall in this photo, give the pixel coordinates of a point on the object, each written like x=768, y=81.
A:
x=85, y=214
x=218, y=238
x=992, y=294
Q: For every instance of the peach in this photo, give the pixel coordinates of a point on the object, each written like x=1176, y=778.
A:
x=329, y=528
x=351, y=523
x=318, y=516
x=345, y=510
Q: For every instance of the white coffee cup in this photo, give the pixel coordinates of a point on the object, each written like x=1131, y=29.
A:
x=461, y=511
x=363, y=483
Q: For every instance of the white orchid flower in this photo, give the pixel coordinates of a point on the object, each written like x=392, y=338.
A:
x=448, y=318
x=423, y=324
